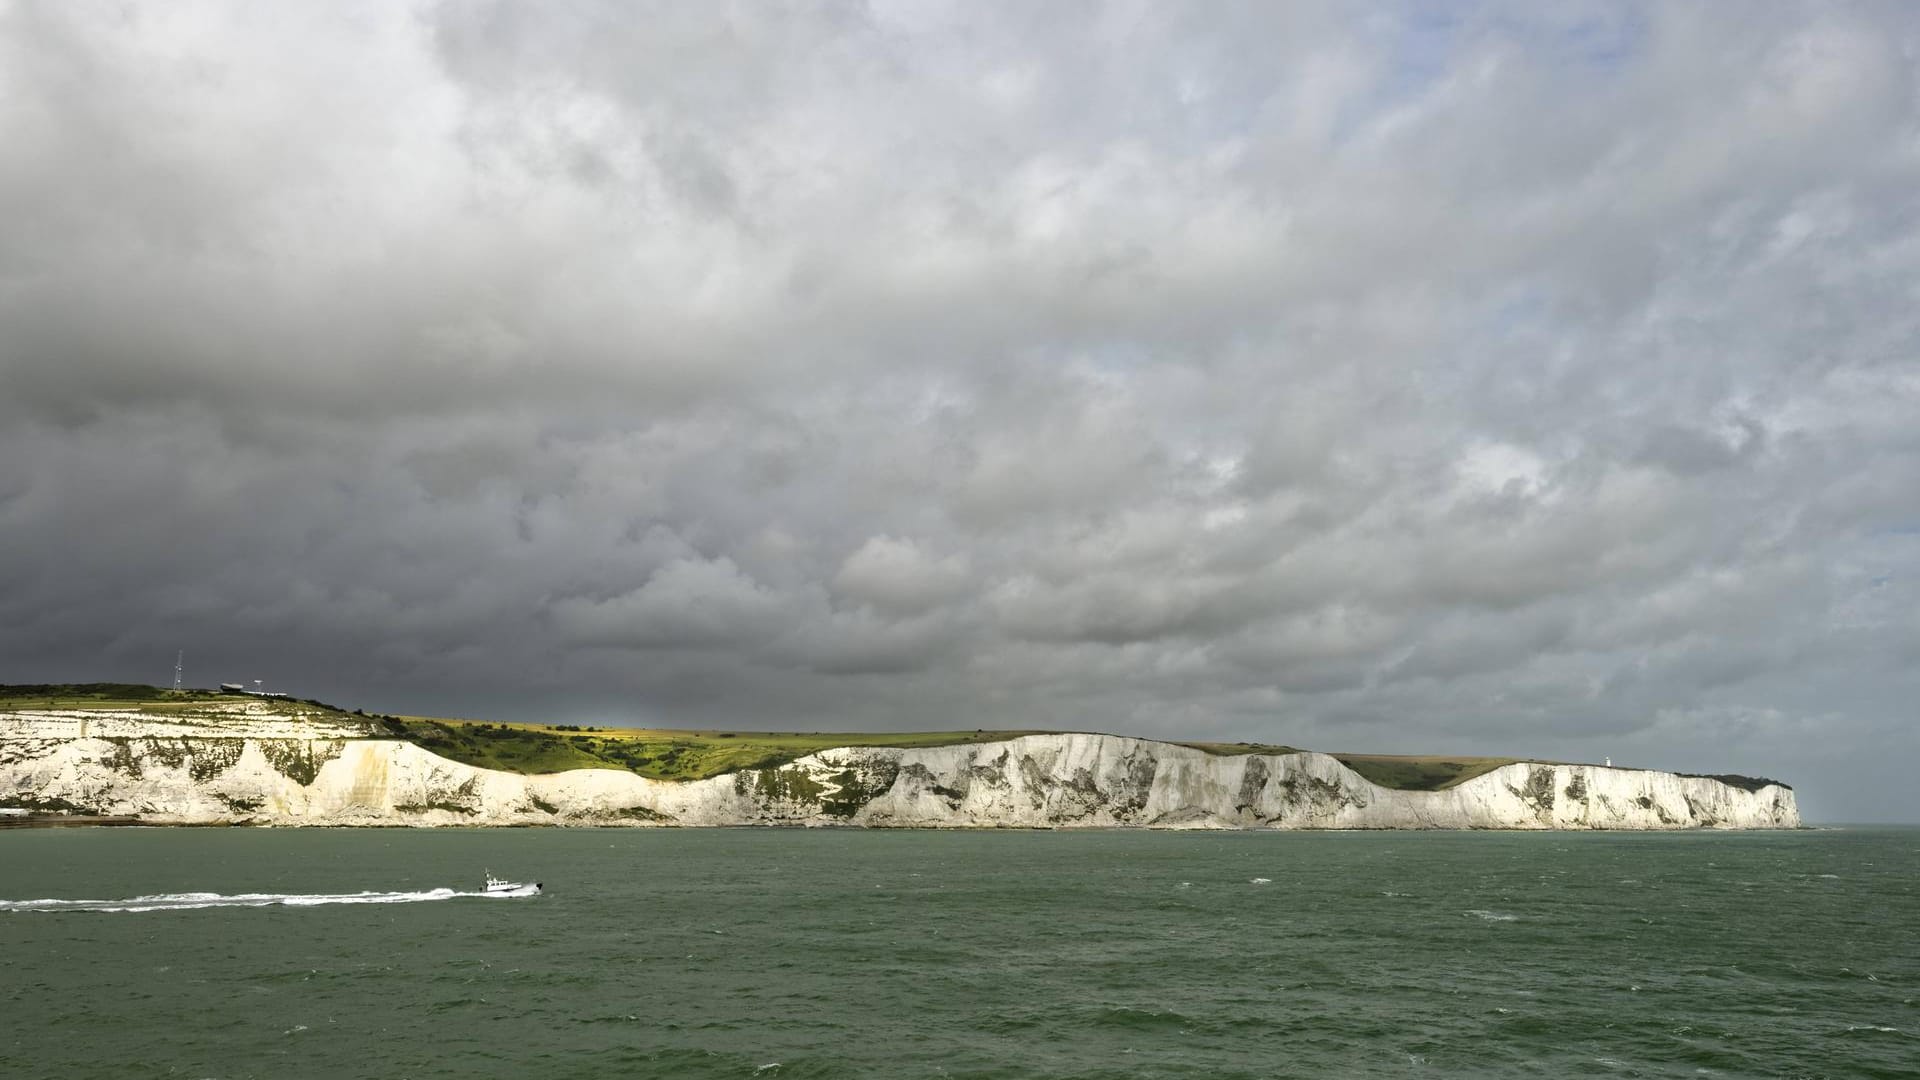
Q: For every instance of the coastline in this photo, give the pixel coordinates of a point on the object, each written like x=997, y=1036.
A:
x=289, y=774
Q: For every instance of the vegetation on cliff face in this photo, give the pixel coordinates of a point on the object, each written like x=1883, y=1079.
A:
x=300, y=760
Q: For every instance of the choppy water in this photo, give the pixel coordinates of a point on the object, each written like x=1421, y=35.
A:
x=783, y=954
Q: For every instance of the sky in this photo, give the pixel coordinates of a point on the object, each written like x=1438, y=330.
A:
x=1535, y=379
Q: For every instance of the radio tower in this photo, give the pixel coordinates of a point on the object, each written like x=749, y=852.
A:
x=177, y=659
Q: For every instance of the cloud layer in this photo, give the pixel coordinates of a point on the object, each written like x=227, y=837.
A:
x=1533, y=379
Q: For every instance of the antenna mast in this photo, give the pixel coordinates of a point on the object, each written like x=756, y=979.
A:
x=178, y=658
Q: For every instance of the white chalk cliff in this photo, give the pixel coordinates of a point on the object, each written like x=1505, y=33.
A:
x=254, y=766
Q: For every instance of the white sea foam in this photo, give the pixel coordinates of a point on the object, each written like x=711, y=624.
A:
x=1490, y=916
x=194, y=901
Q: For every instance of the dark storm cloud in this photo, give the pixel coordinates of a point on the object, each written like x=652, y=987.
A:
x=1528, y=379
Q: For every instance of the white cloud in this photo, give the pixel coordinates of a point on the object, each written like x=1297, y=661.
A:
x=688, y=604
x=897, y=576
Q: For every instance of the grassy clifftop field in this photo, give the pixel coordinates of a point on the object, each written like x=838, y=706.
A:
x=653, y=752
x=661, y=754
x=164, y=703
x=135, y=697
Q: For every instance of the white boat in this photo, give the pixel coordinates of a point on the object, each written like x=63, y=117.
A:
x=500, y=887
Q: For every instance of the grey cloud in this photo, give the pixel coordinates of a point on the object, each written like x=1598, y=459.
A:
x=1690, y=451
x=861, y=642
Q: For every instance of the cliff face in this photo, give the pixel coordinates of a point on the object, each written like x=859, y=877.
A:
x=278, y=770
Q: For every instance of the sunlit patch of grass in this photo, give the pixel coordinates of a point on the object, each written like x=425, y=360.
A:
x=659, y=753
x=158, y=702
x=110, y=696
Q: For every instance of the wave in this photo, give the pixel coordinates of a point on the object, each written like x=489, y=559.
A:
x=196, y=900
x=1490, y=916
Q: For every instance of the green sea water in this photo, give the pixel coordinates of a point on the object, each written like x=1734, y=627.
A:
x=788, y=953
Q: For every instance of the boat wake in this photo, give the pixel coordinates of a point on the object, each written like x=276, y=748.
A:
x=195, y=901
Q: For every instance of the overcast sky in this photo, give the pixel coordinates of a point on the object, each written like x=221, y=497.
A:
x=1531, y=379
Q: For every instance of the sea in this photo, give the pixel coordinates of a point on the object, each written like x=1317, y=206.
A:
x=784, y=953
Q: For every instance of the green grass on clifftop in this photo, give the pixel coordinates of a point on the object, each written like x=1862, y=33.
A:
x=1240, y=749
x=1406, y=772
x=158, y=702
x=658, y=753
x=1421, y=772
